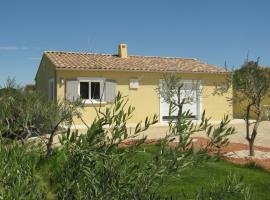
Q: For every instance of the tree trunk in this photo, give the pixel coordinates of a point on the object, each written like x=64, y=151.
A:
x=50, y=140
x=179, y=114
x=180, y=105
x=254, y=133
x=49, y=145
x=251, y=147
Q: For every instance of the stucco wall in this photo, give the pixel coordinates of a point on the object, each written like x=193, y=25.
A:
x=240, y=107
x=145, y=99
x=45, y=72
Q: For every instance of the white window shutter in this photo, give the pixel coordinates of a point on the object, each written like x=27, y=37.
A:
x=72, y=93
x=102, y=90
x=110, y=91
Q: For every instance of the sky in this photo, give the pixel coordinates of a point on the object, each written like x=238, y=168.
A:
x=214, y=31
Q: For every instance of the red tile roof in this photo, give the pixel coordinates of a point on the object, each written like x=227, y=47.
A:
x=109, y=62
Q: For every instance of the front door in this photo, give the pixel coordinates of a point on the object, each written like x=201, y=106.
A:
x=187, y=91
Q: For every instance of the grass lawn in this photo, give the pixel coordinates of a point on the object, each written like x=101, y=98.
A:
x=190, y=180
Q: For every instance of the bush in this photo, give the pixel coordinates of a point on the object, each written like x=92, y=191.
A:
x=17, y=174
x=98, y=168
x=25, y=114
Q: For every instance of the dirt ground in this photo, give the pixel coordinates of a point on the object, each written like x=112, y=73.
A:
x=237, y=141
x=262, y=139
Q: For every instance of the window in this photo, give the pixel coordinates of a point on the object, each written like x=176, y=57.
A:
x=51, y=89
x=91, y=89
x=84, y=90
x=95, y=90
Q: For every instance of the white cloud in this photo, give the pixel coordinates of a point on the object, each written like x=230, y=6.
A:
x=13, y=48
x=8, y=48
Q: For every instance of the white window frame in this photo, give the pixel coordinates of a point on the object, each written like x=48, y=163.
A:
x=90, y=80
x=51, y=91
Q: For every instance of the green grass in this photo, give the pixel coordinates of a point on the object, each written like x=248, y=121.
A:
x=190, y=180
x=193, y=179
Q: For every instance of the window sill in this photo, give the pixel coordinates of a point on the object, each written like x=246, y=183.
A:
x=93, y=102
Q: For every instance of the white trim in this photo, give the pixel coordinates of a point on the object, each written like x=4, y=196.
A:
x=91, y=79
x=51, y=94
x=101, y=80
x=93, y=102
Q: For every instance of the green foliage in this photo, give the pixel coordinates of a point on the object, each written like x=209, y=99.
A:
x=172, y=90
x=232, y=186
x=97, y=168
x=24, y=114
x=95, y=165
x=17, y=175
x=218, y=137
x=19, y=113
x=183, y=127
x=251, y=84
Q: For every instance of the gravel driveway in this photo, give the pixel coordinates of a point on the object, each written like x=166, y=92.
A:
x=262, y=139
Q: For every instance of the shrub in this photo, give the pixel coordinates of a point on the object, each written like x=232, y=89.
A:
x=17, y=175
x=97, y=168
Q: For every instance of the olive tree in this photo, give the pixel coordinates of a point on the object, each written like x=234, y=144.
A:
x=251, y=86
x=99, y=167
x=26, y=114
x=174, y=92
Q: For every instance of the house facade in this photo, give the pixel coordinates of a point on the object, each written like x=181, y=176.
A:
x=98, y=77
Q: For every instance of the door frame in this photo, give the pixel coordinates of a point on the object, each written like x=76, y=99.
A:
x=199, y=102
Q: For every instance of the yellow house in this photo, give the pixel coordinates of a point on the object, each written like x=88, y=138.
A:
x=97, y=77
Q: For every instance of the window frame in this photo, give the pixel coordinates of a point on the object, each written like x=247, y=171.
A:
x=199, y=99
x=90, y=80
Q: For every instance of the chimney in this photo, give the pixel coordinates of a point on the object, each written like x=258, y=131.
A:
x=122, y=51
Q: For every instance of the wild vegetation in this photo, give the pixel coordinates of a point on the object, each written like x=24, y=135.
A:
x=96, y=165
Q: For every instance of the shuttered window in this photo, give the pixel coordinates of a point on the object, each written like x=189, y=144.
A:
x=92, y=90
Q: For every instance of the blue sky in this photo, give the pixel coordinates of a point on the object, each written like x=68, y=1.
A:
x=214, y=31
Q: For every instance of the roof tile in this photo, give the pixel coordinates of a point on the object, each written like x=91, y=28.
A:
x=90, y=61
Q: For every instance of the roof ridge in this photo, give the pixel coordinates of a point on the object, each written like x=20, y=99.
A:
x=77, y=52
x=105, y=54
x=167, y=57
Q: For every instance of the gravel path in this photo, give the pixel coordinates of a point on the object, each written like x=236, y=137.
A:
x=262, y=139
x=245, y=154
